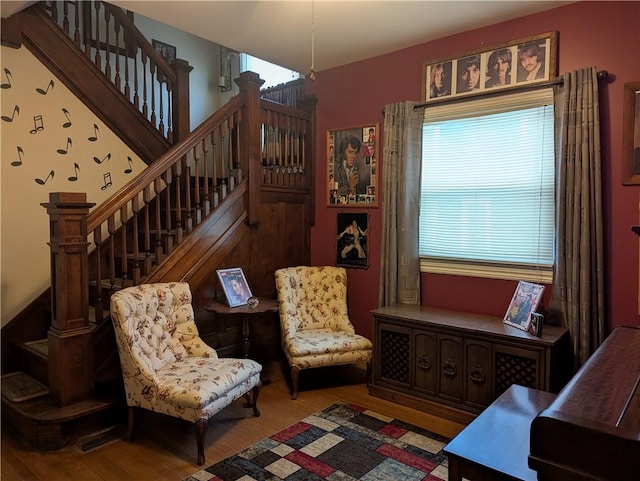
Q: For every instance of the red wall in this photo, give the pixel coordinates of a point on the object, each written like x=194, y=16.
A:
x=601, y=34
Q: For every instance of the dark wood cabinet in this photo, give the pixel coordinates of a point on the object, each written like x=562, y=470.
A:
x=455, y=364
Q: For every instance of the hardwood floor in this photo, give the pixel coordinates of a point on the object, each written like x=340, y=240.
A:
x=164, y=448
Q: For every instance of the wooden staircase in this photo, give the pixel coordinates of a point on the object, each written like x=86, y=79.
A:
x=236, y=191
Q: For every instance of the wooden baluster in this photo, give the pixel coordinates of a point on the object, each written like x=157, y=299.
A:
x=238, y=118
x=111, y=227
x=148, y=261
x=76, y=30
x=145, y=105
x=136, y=89
x=118, y=81
x=124, y=260
x=214, y=170
x=205, y=176
x=232, y=178
x=97, y=242
x=158, y=190
x=169, y=240
x=285, y=144
x=187, y=194
x=135, y=208
x=54, y=11
x=170, y=112
x=107, y=45
x=65, y=17
x=97, y=59
x=179, y=228
x=161, y=91
x=153, y=70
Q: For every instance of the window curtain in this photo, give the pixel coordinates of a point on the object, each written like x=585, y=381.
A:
x=399, y=259
x=578, y=286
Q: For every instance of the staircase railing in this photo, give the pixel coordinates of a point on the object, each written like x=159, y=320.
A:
x=109, y=38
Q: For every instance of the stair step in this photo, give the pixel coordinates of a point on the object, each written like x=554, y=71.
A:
x=39, y=347
x=19, y=386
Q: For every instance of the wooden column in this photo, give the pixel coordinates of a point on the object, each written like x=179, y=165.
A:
x=181, y=115
x=71, y=369
x=251, y=154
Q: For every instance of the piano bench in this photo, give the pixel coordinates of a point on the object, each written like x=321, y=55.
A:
x=495, y=445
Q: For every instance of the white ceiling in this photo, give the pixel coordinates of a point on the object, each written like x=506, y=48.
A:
x=345, y=31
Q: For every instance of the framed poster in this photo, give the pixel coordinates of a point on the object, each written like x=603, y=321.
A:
x=352, y=171
x=235, y=286
x=352, y=240
x=523, y=304
x=524, y=61
x=168, y=52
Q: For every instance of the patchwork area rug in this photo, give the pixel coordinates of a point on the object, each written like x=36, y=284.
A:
x=342, y=442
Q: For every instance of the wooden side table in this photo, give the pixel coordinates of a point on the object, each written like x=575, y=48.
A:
x=495, y=446
x=246, y=313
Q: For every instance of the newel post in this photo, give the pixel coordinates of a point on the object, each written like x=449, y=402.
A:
x=250, y=127
x=71, y=369
x=181, y=115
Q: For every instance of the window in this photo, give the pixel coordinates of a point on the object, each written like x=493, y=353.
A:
x=487, y=187
x=271, y=73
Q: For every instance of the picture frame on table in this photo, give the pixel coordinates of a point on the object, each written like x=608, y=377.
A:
x=631, y=134
x=529, y=60
x=352, y=239
x=524, y=303
x=352, y=170
x=235, y=286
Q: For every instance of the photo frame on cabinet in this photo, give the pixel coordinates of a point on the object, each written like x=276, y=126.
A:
x=524, y=303
x=631, y=134
x=352, y=239
x=235, y=286
x=527, y=60
x=352, y=170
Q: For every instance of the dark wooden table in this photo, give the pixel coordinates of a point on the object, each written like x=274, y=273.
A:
x=495, y=445
x=246, y=313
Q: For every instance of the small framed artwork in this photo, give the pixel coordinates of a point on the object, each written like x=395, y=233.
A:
x=235, y=286
x=523, y=61
x=168, y=52
x=352, y=240
x=535, y=326
x=523, y=304
x=352, y=170
x=631, y=134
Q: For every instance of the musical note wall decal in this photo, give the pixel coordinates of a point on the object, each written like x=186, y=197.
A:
x=6, y=118
x=107, y=181
x=67, y=124
x=66, y=148
x=38, y=124
x=105, y=158
x=94, y=137
x=18, y=163
x=76, y=169
x=45, y=92
x=130, y=168
x=42, y=182
x=7, y=85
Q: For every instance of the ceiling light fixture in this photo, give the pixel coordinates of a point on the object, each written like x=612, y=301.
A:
x=312, y=74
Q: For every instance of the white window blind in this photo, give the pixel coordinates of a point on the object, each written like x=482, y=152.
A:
x=487, y=187
x=271, y=73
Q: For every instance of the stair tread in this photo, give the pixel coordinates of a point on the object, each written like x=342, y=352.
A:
x=39, y=346
x=19, y=386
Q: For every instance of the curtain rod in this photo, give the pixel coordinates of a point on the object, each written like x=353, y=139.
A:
x=601, y=75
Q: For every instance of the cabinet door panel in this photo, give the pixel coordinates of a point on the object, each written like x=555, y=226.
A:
x=426, y=362
x=393, y=362
x=478, y=373
x=516, y=365
x=450, y=367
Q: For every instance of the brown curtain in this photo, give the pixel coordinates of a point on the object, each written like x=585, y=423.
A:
x=578, y=286
x=290, y=93
x=401, y=165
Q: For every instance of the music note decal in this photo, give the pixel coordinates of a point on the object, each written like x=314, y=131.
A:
x=7, y=85
x=76, y=169
x=94, y=137
x=6, y=118
x=66, y=148
x=105, y=158
x=107, y=181
x=130, y=168
x=67, y=124
x=18, y=163
x=38, y=124
x=45, y=92
x=42, y=182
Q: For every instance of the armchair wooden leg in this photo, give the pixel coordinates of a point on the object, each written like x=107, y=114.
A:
x=294, y=381
x=201, y=432
x=368, y=372
x=129, y=433
x=254, y=399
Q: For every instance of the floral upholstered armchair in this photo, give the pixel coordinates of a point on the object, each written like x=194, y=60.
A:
x=166, y=367
x=316, y=330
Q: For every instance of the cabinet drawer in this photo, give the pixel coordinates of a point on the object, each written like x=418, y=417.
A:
x=450, y=366
x=478, y=373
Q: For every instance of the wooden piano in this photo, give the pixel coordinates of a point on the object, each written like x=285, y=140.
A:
x=591, y=431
